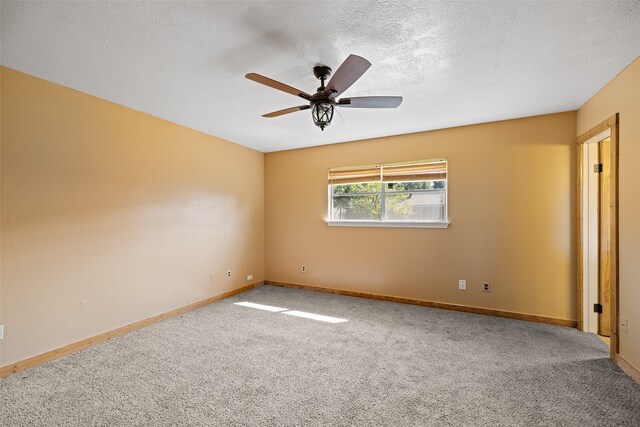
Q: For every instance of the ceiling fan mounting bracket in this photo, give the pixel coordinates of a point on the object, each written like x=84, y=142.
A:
x=322, y=72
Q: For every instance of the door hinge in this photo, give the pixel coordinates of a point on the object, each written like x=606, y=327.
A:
x=597, y=308
x=597, y=168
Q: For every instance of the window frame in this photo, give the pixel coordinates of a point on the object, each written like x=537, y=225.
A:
x=390, y=223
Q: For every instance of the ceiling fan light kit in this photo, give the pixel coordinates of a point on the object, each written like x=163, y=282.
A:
x=323, y=102
x=322, y=114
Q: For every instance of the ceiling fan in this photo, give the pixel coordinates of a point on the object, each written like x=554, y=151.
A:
x=322, y=103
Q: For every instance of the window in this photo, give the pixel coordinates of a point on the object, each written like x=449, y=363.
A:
x=399, y=194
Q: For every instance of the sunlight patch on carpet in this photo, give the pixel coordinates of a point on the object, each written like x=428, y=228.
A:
x=296, y=313
x=261, y=306
x=313, y=316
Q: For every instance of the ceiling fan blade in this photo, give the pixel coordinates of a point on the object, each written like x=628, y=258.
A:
x=371, y=102
x=286, y=111
x=277, y=85
x=351, y=70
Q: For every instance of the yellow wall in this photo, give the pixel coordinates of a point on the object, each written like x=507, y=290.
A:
x=110, y=216
x=621, y=95
x=511, y=198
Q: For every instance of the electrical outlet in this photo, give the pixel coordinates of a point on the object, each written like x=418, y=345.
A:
x=213, y=276
x=624, y=325
x=229, y=273
x=486, y=287
x=250, y=277
x=304, y=268
x=1, y=332
x=462, y=285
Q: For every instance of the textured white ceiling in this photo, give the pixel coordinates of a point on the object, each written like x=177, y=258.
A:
x=455, y=63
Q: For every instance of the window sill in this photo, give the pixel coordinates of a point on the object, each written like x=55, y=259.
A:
x=391, y=224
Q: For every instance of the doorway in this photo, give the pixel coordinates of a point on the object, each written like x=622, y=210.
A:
x=598, y=231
